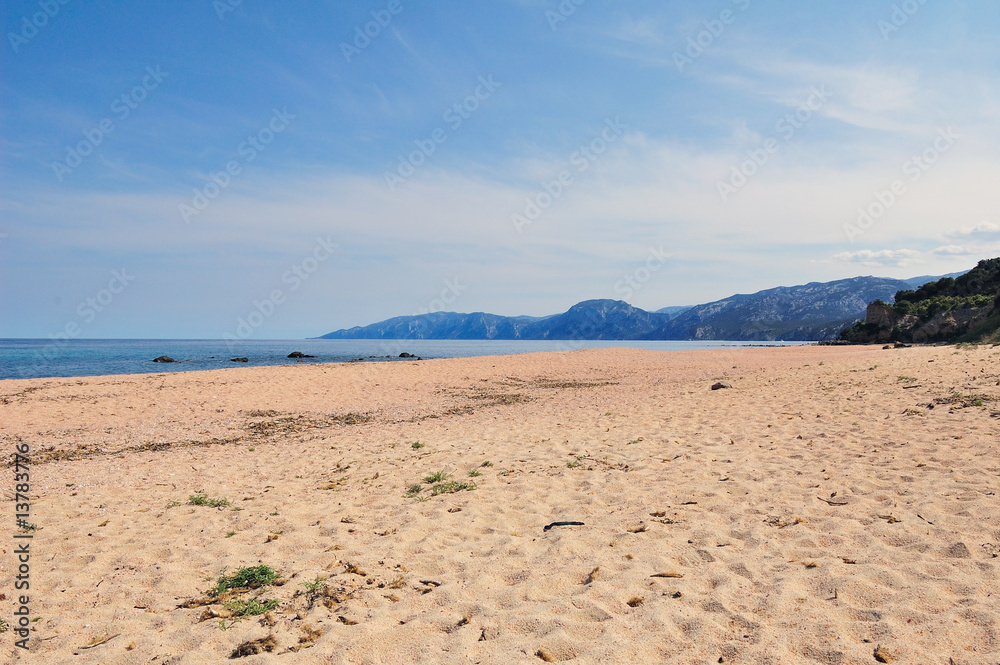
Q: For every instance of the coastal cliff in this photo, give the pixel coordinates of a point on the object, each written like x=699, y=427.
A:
x=962, y=309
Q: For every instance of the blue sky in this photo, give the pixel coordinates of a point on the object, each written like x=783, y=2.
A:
x=516, y=157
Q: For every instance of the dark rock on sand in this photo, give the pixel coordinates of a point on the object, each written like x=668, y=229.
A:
x=164, y=359
x=720, y=385
x=299, y=354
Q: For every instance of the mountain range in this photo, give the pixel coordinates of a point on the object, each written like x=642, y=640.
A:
x=814, y=311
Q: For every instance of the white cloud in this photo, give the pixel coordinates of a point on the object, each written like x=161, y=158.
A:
x=890, y=99
x=980, y=229
x=952, y=250
x=884, y=257
x=638, y=31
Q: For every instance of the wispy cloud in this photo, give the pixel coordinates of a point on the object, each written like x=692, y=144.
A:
x=953, y=250
x=982, y=229
x=883, y=257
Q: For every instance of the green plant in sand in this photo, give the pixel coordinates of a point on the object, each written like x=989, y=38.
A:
x=436, y=477
x=253, y=577
x=451, y=487
x=202, y=499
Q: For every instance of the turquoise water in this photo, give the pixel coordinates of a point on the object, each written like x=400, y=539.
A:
x=38, y=358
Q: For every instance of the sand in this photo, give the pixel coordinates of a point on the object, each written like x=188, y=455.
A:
x=819, y=511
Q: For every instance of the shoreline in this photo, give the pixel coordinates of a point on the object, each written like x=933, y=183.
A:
x=274, y=353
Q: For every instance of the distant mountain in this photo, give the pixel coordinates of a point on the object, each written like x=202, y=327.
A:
x=917, y=282
x=815, y=311
x=591, y=319
x=673, y=312
x=597, y=319
x=442, y=325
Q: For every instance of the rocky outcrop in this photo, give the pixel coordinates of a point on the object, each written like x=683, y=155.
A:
x=881, y=315
x=164, y=359
x=883, y=324
x=965, y=308
x=950, y=325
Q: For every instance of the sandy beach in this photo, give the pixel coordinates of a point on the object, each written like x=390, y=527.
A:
x=834, y=505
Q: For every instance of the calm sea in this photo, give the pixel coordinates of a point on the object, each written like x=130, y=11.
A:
x=39, y=358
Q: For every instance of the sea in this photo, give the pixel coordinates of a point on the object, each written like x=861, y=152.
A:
x=42, y=358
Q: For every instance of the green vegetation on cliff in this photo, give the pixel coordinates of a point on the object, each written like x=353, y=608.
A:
x=961, y=309
x=976, y=288
x=926, y=308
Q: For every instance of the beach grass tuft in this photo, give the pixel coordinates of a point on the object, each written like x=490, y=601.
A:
x=451, y=487
x=315, y=586
x=436, y=477
x=252, y=577
x=252, y=607
x=202, y=499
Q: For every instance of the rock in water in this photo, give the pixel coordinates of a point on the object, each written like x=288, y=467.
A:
x=299, y=354
x=164, y=359
x=720, y=385
x=239, y=360
x=404, y=354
